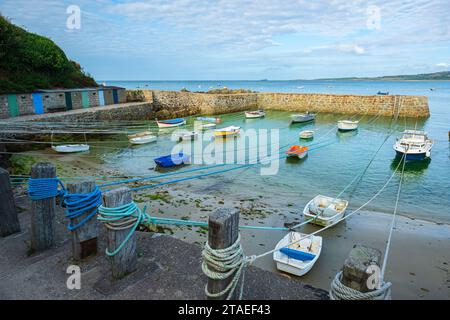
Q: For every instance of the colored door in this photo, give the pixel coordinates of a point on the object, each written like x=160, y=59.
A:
x=101, y=97
x=12, y=105
x=69, y=105
x=38, y=104
x=115, y=96
x=85, y=99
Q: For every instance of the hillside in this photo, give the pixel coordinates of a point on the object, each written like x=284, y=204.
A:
x=444, y=75
x=29, y=61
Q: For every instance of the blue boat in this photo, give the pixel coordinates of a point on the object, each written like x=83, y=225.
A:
x=172, y=160
x=171, y=123
x=414, y=145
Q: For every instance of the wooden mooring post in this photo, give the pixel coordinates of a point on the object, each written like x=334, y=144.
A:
x=43, y=211
x=125, y=261
x=9, y=222
x=223, y=232
x=84, y=238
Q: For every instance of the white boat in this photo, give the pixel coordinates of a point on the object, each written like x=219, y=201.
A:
x=208, y=126
x=71, y=148
x=171, y=123
x=325, y=210
x=299, y=257
x=187, y=136
x=347, y=125
x=306, y=134
x=230, y=131
x=254, y=114
x=414, y=144
x=303, y=117
x=142, y=137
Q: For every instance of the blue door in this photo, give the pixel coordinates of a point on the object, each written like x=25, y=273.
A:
x=38, y=105
x=115, y=97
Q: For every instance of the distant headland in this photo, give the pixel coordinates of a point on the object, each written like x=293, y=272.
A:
x=444, y=75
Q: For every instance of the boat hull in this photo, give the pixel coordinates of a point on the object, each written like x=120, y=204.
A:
x=71, y=148
x=142, y=140
x=172, y=160
x=320, y=220
x=412, y=156
x=300, y=119
x=162, y=124
x=251, y=115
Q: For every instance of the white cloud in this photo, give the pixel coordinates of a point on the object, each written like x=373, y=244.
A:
x=443, y=64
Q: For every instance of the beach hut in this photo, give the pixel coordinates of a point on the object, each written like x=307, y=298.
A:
x=101, y=97
x=84, y=99
x=53, y=100
x=93, y=96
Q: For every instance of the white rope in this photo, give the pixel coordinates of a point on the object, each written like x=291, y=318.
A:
x=225, y=262
x=339, y=291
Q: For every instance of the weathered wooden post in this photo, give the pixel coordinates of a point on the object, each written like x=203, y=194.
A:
x=355, y=273
x=84, y=238
x=9, y=222
x=43, y=211
x=223, y=232
x=125, y=261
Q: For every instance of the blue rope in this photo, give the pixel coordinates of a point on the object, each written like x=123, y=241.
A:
x=128, y=216
x=45, y=188
x=77, y=204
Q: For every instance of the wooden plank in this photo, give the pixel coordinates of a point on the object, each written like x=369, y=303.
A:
x=9, y=222
x=43, y=211
x=84, y=238
x=223, y=232
x=125, y=261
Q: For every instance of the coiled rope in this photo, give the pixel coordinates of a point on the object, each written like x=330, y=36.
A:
x=225, y=262
x=77, y=204
x=339, y=291
x=128, y=216
x=45, y=188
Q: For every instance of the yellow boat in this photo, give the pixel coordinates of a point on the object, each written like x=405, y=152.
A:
x=227, y=132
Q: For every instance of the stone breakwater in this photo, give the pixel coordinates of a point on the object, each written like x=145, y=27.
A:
x=170, y=103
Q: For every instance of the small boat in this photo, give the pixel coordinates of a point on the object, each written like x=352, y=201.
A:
x=347, y=125
x=414, y=144
x=171, y=123
x=71, y=148
x=306, y=134
x=187, y=136
x=172, y=160
x=382, y=93
x=299, y=257
x=297, y=151
x=230, y=131
x=208, y=126
x=255, y=114
x=209, y=119
x=325, y=210
x=303, y=117
x=142, y=137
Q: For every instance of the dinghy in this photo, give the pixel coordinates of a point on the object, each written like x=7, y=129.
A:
x=255, y=114
x=325, y=210
x=306, y=134
x=209, y=119
x=187, y=136
x=142, y=137
x=297, y=151
x=414, y=145
x=347, y=125
x=299, y=257
x=172, y=160
x=71, y=148
x=171, y=123
x=230, y=131
x=208, y=126
x=303, y=117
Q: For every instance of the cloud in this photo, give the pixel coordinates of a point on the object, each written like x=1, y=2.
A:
x=443, y=64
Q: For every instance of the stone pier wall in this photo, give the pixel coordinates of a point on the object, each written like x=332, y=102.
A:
x=173, y=103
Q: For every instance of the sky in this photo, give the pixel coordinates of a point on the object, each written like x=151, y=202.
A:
x=242, y=39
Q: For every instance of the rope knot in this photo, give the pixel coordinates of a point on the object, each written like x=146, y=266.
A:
x=45, y=188
x=77, y=204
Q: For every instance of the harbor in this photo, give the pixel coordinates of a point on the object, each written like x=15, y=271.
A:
x=366, y=159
